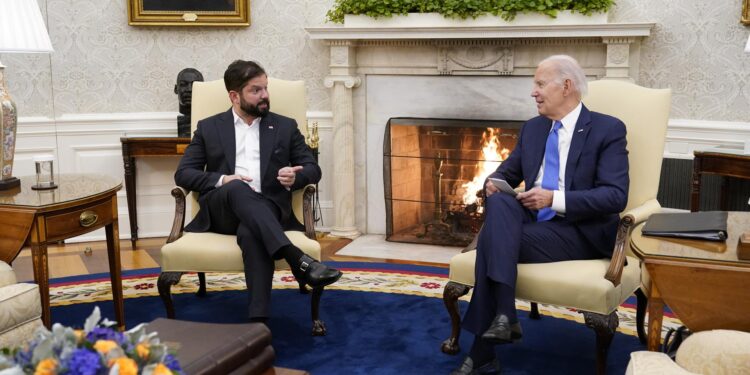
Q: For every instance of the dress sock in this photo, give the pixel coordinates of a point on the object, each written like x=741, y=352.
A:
x=505, y=297
x=481, y=352
x=291, y=254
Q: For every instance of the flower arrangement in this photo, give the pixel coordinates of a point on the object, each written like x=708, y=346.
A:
x=99, y=348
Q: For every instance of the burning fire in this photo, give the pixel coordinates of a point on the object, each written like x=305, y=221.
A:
x=493, y=153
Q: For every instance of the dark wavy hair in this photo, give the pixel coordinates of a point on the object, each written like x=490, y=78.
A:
x=239, y=72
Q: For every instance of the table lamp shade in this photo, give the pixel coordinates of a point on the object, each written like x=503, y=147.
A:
x=22, y=30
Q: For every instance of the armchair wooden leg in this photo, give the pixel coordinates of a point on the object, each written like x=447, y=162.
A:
x=201, y=284
x=605, y=327
x=319, y=328
x=452, y=292
x=164, y=285
x=534, y=312
x=640, y=315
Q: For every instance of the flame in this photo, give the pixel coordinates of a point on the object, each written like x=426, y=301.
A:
x=493, y=153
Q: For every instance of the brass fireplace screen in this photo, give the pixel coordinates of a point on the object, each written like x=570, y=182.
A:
x=434, y=170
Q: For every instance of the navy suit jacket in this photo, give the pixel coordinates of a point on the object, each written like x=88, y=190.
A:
x=596, y=174
x=212, y=153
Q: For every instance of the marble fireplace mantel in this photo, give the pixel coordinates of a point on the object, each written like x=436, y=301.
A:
x=605, y=51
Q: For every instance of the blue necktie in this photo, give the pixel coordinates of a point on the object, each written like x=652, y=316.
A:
x=551, y=170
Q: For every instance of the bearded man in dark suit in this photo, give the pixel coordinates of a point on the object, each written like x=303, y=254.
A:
x=574, y=164
x=245, y=163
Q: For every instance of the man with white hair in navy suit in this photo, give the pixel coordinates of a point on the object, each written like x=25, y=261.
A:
x=574, y=164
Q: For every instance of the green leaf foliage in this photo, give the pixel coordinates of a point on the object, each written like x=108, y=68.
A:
x=463, y=9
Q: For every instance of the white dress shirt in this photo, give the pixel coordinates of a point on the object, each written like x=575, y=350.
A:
x=247, y=147
x=564, y=136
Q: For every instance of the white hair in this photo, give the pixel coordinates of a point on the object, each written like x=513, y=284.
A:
x=568, y=68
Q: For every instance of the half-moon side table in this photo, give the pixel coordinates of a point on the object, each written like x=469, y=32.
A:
x=81, y=203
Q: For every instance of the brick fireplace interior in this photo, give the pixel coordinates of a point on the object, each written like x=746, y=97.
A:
x=433, y=172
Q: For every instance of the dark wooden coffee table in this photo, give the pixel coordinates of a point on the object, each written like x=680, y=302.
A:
x=212, y=348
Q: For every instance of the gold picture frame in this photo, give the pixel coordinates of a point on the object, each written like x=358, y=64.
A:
x=189, y=12
x=745, y=12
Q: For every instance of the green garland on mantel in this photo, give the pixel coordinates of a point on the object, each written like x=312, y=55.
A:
x=463, y=9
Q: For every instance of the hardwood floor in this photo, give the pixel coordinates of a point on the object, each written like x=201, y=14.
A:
x=71, y=259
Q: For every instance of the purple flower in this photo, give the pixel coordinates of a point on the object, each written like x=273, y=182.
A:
x=171, y=362
x=84, y=362
x=23, y=357
x=101, y=333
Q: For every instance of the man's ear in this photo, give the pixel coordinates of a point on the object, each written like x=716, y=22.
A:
x=175, y=89
x=233, y=96
x=567, y=86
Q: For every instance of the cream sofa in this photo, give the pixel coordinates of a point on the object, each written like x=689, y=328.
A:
x=20, y=308
x=707, y=352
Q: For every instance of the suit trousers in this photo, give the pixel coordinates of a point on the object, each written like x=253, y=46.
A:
x=511, y=235
x=235, y=208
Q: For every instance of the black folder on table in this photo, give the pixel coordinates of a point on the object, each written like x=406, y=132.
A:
x=706, y=225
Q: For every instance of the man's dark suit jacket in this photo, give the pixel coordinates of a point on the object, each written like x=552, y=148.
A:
x=596, y=174
x=212, y=153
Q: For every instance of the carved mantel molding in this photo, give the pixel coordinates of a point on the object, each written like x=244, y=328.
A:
x=607, y=50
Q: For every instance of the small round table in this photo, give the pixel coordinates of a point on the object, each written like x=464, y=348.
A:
x=81, y=203
x=703, y=282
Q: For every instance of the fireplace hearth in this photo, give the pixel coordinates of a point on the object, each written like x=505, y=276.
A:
x=434, y=171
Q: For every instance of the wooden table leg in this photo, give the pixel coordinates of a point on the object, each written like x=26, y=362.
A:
x=130, y=194
x=41, y=267
x=113, y=254
x=655, y=316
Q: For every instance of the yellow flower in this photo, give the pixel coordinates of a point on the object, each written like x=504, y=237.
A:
x=46, y=367
x=104, y=346
x=80, y=335
x=162, y=370
x=127, y=366
x=142, y=350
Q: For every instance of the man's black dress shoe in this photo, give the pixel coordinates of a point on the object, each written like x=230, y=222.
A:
x=467, y=368
x=317, y=274
x=502, y=332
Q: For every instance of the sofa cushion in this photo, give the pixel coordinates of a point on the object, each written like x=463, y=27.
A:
x=716, y=352
x=212, y=252
x=653, y=363
x=19, y=304
x=7, y=276
x=577, y=284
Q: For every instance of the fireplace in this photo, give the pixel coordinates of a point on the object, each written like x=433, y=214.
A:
x=433, y=174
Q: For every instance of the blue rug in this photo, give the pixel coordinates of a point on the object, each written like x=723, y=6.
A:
x=371, y=332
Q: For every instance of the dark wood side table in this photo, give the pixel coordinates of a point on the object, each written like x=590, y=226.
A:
x=724, y=161
x=703, y=282
x=80, y=204
x=133, y=147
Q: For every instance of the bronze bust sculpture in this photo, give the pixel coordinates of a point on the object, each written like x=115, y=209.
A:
x=184, y=90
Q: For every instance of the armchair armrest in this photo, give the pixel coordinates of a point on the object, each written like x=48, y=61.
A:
x=627, y=222
x=307, y=211
x=178, y=225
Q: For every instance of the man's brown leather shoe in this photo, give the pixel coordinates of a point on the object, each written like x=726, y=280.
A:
x=502, y=332
x=467, y=368
x=317, y=274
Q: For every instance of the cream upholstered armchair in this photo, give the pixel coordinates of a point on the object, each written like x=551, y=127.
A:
x=594, y=287
x=212, y=252
x=20, y=309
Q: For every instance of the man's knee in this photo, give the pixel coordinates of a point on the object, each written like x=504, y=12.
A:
x=501, y=200
x=237, y=188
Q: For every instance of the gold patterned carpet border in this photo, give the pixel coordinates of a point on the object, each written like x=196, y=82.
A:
x=399, y=282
